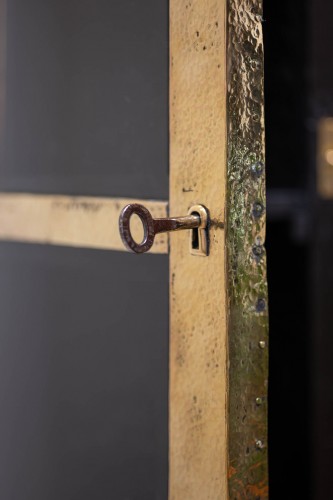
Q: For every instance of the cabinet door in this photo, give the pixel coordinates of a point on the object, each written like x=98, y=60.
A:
x=132, y=376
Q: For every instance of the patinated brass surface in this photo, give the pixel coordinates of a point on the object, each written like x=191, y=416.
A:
x=246, y=260
x=218, y=355
x=78, y=221
x=218, y=351
x=198, y=458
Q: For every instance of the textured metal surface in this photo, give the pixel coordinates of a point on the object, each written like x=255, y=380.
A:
x=198, y=321
x=246, y=264
x=78, y=221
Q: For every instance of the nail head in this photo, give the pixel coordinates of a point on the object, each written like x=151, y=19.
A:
x=257, y=168
x=259, y=444
x=261, y=305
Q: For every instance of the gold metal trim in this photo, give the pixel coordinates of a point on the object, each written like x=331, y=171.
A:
x=198, y=457
x=218, y=306
x=246, y=256
x=76, y=221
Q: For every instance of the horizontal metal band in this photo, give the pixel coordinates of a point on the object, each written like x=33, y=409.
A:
x=76, y=221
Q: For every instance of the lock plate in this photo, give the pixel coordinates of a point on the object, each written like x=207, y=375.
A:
x=199, y=237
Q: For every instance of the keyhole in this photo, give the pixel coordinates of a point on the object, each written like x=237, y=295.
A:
x=199, y=238
x=195, y=235
x=195, y=238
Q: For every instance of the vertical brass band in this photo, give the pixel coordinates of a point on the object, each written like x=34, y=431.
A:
x=198, y=456
x=246, y=261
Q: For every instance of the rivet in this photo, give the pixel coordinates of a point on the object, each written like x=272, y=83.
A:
x=258, y=250
x=259, y=444
x=258, y=401
x=255, y=65
x=261, y=305
x=262, y=344
x=257, y=209
x=257, y=168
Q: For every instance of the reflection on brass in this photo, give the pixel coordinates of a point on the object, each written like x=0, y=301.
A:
x=198, y=458
x=246, y=262
x=218, y=306
x=325, y=158
x=71, y=220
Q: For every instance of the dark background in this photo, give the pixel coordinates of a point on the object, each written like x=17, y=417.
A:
x=84, y=368
x=298, y=38
x=84, y=333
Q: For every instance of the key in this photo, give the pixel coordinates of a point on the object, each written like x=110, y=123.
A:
x=153, y=226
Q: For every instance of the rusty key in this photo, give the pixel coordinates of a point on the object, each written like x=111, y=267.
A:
x=154, y=226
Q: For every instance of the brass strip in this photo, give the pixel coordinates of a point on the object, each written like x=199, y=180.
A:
x=76, y=221
x=198, y=341
x=246, y=264
x=217, y=159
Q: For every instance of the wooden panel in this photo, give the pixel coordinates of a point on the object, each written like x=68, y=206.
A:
x=74, y=221
x=198, y=343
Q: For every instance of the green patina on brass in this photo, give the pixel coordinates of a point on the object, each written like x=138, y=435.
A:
x=246, y=267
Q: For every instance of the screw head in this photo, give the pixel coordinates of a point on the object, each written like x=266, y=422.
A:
x=261, y=305
x=257, y=168
x=259, y=444
x=258, y=251
x=257, y=209
x=258, y=401
x=262, y=344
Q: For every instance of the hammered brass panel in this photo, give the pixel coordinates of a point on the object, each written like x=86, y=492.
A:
x=218, y=305
x=247, y=287
x=198, y=343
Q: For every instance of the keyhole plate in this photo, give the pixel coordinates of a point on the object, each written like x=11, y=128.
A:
x=199, y=237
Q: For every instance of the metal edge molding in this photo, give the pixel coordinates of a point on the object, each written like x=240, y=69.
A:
x=198, y=456
x=246, y=258
x=77, y=221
